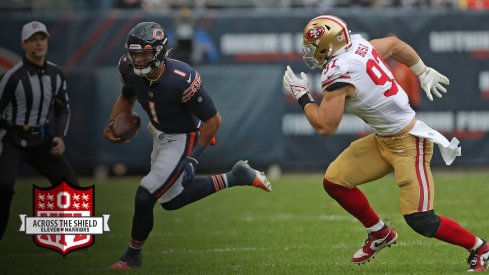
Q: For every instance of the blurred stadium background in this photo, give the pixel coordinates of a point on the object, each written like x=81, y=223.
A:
x=241, y=48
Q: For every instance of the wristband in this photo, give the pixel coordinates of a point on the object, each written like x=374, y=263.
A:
x=305, y=99
x=418, y=68
x=197, y=151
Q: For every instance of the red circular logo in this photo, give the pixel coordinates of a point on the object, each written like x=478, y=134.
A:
x=315, y=33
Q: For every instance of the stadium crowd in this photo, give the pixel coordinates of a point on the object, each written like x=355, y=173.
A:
x=169, y=5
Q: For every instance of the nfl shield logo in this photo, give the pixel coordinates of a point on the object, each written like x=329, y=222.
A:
x=63, y=200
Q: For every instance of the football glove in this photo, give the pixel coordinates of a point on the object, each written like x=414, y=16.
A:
x=188, y=167
x=295, y=85
x=430, y=80
x=189, y=164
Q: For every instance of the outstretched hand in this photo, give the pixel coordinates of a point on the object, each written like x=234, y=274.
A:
x=431, y=81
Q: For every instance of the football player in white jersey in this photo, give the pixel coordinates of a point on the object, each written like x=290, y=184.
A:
x=356, y=80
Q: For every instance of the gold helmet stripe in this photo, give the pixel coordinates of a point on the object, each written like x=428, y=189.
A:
x=339, y=22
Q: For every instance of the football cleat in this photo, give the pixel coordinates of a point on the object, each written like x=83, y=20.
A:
x=128, y=262
x=374, y=243
x=249, y=176
x=479, y=258
x=120, y=265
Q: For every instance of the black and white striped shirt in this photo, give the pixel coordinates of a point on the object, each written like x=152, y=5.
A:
x=29, y=94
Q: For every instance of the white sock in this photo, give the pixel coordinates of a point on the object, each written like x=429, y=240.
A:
x=225, y=179
x=376, y=227
x=478, y=243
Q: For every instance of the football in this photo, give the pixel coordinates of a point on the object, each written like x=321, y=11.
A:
x=126, y=125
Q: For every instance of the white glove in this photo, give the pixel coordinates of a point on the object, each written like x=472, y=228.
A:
x=430, y=80
x=295, y=85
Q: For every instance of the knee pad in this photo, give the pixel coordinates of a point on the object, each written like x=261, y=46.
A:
x=424, y=223
x=328, y=186
x=169, y=205
x=175, y=203
x=335, y=190
x=144, y=198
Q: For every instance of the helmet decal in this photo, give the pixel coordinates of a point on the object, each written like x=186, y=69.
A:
x=158, y=34
x=314, y=33
x=335, y=19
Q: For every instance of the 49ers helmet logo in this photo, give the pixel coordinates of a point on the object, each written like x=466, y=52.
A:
x=315, y=32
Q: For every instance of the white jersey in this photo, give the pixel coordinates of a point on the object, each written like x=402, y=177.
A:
x=378, y=99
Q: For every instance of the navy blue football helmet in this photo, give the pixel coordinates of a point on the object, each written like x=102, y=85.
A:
x=150, y=40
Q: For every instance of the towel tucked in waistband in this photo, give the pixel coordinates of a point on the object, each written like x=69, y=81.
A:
x=449, y=149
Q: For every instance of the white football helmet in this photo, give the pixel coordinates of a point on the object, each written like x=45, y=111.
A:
x=324, y=37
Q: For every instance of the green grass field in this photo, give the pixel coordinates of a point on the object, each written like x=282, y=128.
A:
x=296, y=229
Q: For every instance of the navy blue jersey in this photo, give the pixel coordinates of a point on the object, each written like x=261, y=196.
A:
x=176, y=103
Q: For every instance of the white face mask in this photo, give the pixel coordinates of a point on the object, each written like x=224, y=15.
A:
x=308, y=56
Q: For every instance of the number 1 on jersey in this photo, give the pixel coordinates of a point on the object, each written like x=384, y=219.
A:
x=153, y=111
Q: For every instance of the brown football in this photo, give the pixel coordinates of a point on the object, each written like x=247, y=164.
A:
x=126, y=125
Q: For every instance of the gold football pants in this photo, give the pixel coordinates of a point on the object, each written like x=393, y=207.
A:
x=373, y=157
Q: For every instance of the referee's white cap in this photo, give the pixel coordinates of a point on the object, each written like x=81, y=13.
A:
x=33, y=27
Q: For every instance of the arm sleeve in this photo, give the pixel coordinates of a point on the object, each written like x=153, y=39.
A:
x=7, y=89
x=61, y=108
x=126, y=91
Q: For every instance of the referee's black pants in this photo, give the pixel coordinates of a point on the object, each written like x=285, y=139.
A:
x=53, y=168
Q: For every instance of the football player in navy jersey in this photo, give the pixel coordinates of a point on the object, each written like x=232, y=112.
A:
x=183, y=121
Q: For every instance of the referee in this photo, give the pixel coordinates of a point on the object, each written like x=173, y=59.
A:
x=34, y=118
